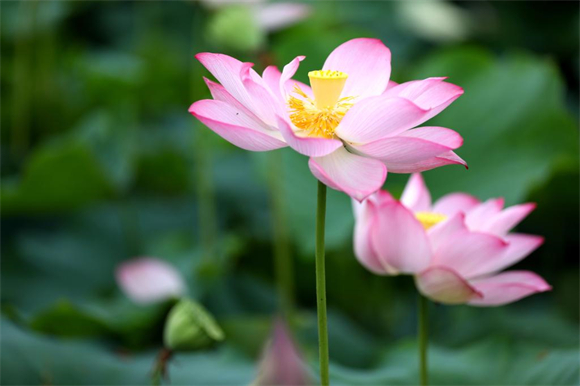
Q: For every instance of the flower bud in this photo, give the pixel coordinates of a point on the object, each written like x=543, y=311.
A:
x=235, y=27
x=190, y=326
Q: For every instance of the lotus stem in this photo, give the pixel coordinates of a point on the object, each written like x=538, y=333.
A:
x=423, y=335
x=321, y=285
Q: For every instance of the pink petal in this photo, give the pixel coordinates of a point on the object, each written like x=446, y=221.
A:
x=519, y=246
x=363, y=246
x=271, y=76
x=149, y=280
x=508, y=287
x=357, y=176
x=391, y=85
x=288, y=72
x=367, y=62
x=378, y=117
x=469, y=253
x=234, y=126
x=446, y=286
x=479, y=215
x=454, y=203
x=448, y=158
x=442, y=232
x=310, y=146
x=416, y=196
x=503, y=222
x=228, y=71
x=377, y=199
x=266, y=105
x=401, y=150
x=399, y=239
x=440, y=135
x=218, y=92
x=273, y=17
x=432, y=93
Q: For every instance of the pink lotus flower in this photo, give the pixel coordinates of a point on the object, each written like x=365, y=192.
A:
x=456, y=247
x=281, y=363
x=149, y=280
x=354, y=123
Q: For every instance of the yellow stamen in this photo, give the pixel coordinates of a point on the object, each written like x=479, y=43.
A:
x=321, y=116
x=429, y=219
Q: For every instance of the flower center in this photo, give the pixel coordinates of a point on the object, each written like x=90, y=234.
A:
x=321, y=116
x=429, y=219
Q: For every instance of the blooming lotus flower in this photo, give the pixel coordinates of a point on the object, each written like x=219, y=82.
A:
x=354, y=124
x=149, y=280
x=455, y=247
x=281, y=363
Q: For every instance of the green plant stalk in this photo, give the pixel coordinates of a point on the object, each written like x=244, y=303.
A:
x=23, y=80
x=423, y=335
x=321, y=285
x=284, y=268
x=207, y=223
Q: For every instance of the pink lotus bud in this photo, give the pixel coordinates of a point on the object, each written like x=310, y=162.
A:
x=148, y=280
x=281, y=363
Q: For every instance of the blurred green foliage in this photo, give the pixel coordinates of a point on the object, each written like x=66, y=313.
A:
x=101, y=162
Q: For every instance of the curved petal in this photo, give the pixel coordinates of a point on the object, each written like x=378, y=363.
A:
x=416, y=196
x=508, y=287
x=401, y=150
x=271, y=76
x=479, y=215
x=377, y=199
x=442, y=232
x=357, y=176
x=218, y=92
x=440, y=135
x=147, y=280
x=228, y=71
x=266, y=105
x=519, y=246
x=367, y=62
x=234, y=126
x=448, y=158
x=310, y=146
x=432, y=93
x=503, y=222
x=453, y=203
x=378, y=117
x=446, y=286
x=288, y=72
x=468, y=253
x=399, y=239
x=363, y=246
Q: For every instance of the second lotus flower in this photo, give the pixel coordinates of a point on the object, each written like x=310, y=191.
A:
x=456, y=247
x=354, y=123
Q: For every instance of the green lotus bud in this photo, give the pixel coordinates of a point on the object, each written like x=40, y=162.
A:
x=190, y=326
x=235, y=27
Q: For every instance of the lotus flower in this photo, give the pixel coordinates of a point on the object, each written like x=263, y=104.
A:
x=353, y=123
x=456, y=247
x=149, y=280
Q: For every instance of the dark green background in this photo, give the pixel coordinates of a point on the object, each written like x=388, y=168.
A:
x=101, y=162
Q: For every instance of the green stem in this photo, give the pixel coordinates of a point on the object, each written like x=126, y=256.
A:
x=321, y=285
x=423, y=334
x=282, y=257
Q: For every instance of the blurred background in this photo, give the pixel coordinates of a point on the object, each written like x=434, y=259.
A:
x=101, y=163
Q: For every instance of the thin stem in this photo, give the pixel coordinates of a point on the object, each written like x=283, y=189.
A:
x=321, y=285
x=423, y=334
x=282, y=256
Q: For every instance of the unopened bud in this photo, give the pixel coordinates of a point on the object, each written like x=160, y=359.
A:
x=190, y=326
